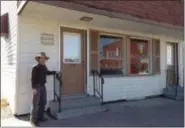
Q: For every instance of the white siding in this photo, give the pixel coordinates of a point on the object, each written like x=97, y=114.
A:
x=9, y=58
x=115, y=88
x=30, y=46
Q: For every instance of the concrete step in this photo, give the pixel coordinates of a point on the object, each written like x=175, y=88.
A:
x=80, y=102
x=174, y=89
x=174, y=92
x=75, y=112
x=76, y=106
x=74, y=96
x=174, y=97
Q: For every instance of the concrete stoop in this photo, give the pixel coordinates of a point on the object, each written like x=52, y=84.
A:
x=76, y=106
x=173, y=92
x=80, y=112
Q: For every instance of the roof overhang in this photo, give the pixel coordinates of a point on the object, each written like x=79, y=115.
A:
x=4, y=25
x=22, y=6
x=83, y=8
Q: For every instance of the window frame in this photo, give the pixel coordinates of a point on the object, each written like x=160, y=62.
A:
x=79, y=46
x=123, y=49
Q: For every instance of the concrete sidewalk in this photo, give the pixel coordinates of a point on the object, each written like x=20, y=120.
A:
x=150, y=112
x=14, y=122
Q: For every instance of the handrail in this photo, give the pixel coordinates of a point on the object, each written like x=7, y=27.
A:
x=55, y=94
x=98, y=87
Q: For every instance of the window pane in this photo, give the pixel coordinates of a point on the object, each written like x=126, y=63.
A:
x=111, y=58
x=139, y=56
x=72, y=47
x=169, y=54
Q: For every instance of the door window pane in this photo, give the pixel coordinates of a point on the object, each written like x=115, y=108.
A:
x=71, y=47
x=169, y=54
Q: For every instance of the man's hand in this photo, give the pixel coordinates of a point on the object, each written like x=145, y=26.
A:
x=34, y=91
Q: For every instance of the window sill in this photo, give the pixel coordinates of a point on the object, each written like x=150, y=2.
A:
x=135, y=75
x=130, y=75
x=108, y=76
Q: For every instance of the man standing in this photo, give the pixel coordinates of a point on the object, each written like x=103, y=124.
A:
x=38, y=80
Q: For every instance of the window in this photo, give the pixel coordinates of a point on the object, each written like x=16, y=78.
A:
x=72, y=42
x=111, y=58
x=139, y=57
x=112, y=55
x=169, y=54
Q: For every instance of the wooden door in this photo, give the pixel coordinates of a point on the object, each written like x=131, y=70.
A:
x=73, y=65
x=172, y=63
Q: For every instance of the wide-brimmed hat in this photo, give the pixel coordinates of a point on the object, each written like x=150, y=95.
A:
x=41, y=54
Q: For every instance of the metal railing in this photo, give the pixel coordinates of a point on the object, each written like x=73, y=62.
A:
x=57, y=89
x=98, y=82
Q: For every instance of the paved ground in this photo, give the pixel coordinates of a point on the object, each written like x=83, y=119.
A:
x=150, y=112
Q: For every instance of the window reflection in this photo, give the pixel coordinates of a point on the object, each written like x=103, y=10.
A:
x=111, y=59
x=139, y=57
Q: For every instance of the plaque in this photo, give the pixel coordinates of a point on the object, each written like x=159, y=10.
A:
x=47, y=39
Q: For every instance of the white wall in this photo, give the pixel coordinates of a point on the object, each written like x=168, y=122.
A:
x=31, y=26
x=29, y=47
x=9, y=57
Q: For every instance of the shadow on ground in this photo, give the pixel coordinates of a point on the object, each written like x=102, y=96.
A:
x=24, y=117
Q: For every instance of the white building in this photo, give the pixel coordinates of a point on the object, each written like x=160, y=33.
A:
x=73, y=34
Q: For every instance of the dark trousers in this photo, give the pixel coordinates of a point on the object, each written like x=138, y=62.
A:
x=38, y=103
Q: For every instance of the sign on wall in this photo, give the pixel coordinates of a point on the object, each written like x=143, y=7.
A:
x=47, y=39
